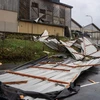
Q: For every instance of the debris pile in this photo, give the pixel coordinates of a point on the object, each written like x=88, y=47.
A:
x=48, y=76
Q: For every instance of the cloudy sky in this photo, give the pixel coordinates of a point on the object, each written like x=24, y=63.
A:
x=81, y=8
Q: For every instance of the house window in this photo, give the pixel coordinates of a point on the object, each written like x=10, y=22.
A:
x=34, y=4
x=43, y=12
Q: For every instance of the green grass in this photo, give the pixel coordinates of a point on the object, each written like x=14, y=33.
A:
x=16, y=50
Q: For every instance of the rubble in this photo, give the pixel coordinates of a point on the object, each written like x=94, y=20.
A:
x=49, y=76
x=0, y=63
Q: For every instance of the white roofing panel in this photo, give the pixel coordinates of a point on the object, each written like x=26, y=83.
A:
x=43, y=86
x=70, y=43
x=48, y=65
x=44, y=36
x=88, y=47
x=73, y=52
x=96, y=54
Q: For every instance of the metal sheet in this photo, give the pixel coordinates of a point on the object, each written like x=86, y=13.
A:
x=44, y=36
x=88, y=47
x=73, y=52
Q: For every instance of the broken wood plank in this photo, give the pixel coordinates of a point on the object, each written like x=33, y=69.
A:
x=74, y=78
x=83, y=65
x=16, y=82
x=47, y=62
x=58, y=69
x=58, y=81
x=0, y=63
x=91, y=81
x=38, y=77
x=27, y=75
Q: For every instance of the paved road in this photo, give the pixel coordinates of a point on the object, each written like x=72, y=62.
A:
x=91, y=92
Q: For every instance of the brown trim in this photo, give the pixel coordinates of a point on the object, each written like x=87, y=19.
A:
x=58, y=81
x=16, y=82
x=57, y=63
x=47, y=63
x=91, y=81
x=37, y=77
x=77, y=53
x=74, y=78
x=93, y=53
x=27, y=75
x=59, y=69
x=84, y=65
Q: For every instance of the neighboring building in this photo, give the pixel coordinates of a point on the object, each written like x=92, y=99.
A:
x=92, y=30
x=8, y=15
x=75, y=26
x=19, y=15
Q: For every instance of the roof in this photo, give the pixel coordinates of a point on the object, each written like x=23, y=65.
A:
x=43, y=77
x=66, y=5
x=59, y=3
x=93, y=25
x=49, y=75
x=76, y=23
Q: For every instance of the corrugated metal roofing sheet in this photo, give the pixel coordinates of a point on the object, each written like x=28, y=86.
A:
x=48, y=76
x=47, y=85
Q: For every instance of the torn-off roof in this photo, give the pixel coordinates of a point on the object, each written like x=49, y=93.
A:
x=46, y=77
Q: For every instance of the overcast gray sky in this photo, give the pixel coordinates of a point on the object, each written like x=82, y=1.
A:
x=81, y=8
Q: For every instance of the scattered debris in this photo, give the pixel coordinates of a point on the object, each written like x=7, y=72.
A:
x=39, y=19
x=77, y=55
x=91, y=81
x=47, y=76
x=46, y=52
x=43, y=36
x=90, y=84
x=15, y=82
x=0, y=63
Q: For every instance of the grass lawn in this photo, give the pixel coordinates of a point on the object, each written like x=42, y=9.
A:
x=16, y=50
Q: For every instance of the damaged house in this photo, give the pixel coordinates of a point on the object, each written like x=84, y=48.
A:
x=48, y=79
x=34, y=16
